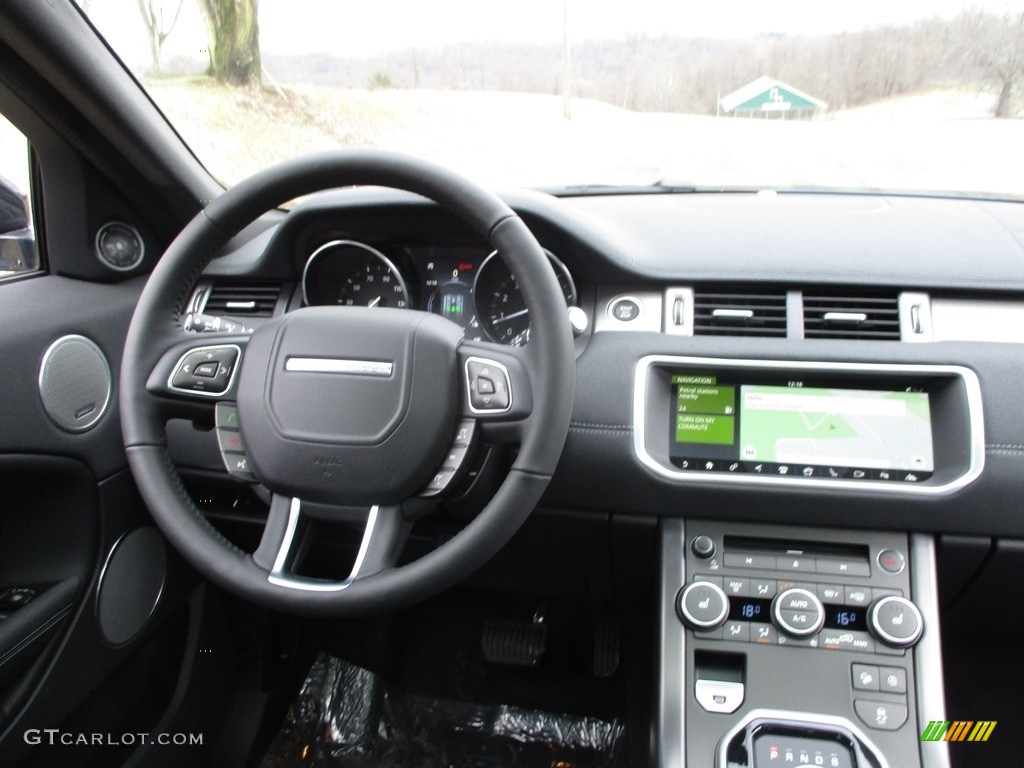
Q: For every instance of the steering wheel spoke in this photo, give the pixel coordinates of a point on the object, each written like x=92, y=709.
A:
x=384, y=536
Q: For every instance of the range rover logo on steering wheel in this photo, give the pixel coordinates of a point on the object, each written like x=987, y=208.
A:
x=339, y=365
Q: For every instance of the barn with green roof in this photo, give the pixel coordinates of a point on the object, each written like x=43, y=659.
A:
x=767, y=96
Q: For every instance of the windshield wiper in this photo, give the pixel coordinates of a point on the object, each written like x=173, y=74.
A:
x=662, y=186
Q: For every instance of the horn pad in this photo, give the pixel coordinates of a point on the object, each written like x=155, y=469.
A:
x=349, y=405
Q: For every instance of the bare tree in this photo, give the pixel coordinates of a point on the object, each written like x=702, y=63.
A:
x=157, y=28
x=995, y=44
x=234, y=40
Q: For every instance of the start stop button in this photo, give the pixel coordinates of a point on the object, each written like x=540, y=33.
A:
x=625, y=309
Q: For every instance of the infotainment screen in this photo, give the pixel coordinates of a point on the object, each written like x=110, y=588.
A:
x=792, y=430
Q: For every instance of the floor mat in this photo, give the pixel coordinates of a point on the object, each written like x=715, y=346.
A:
x=348, y=717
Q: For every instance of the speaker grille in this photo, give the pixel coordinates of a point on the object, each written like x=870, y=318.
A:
x=74, y=383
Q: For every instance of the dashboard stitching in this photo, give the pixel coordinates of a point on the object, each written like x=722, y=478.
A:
x=1005, y=452
x=596, y=425
x=1010, y=446
x=605, y=431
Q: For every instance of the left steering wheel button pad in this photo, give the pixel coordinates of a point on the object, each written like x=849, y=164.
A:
x=229, y=440
x=206, y=370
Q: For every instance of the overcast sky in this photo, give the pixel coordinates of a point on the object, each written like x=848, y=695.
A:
x=364, y=28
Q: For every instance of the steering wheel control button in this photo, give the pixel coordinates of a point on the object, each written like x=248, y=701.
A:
x=895, y=621
x=456, y=455
x=206, y=371
x=226, y=416
x=490, y=390
x=464, y=434
x=702, y=605
x=229, y=440
x=702, y=546
x=719, y=696
x=441, y=480
x=891, y=560
x=238, y=466
x=798, y=612
x=865, y=677
x=625, y=310
x=881, y=715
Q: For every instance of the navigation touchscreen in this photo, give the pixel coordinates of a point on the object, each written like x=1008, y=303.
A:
x=800, y=431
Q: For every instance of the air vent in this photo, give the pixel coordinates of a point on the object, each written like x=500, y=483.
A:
x=729, y=313
x=243, y=299
x=851, y=315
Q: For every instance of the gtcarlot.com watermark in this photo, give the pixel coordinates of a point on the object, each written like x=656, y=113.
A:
x=55, y=737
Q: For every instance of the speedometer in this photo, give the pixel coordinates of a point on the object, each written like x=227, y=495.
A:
x=354, y=275
x=500, y=307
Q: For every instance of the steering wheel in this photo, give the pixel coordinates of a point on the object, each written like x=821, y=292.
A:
x=343, y=408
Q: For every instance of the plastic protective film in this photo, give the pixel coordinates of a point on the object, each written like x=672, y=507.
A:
x=348, y=716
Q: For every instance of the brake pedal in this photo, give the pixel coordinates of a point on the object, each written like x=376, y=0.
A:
x=606, y=649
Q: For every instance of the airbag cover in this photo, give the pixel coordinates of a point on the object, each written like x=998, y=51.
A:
x=349, y=405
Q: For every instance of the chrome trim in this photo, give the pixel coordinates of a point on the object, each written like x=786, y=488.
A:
x=355, y=243
x=231, y=378
x=796, y=718
x=678, y=312
x=974, y=408
x=469, y=396
x=733, y=314
x=931, y=700
x=915, y=312
x=41, y=383
x=339, y=365
x=784, y=625
x=715, y=622
x=281, y=577
x=844, y=317
x=649, y=319
x=886, y=637
x=556, y=264
x=670, y=731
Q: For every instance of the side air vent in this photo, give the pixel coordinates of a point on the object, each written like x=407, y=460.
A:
x=243, y=299
x=855, y=315
x=729, y=313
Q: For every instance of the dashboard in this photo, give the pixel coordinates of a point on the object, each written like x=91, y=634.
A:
x=794, y=390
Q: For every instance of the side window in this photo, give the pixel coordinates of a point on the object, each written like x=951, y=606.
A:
x=18, y=251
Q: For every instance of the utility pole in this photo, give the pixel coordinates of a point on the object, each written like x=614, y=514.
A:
x=566, y=63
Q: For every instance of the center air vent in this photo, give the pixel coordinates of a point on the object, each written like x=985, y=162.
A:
x=243, y=299
x=839, y=315
x=729, y=313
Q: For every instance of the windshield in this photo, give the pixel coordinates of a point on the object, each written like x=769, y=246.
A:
x=907, y=96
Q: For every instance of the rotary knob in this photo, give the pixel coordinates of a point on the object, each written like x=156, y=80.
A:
x=895, y=621
x=702, y=605
x=798, y=612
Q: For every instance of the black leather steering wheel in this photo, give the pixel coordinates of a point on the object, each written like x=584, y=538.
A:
x=347, y=407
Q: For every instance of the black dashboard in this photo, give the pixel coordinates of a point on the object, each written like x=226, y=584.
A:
x=815, y=280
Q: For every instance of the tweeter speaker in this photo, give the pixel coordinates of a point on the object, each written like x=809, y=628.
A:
x=74, y=383
x=131, y=584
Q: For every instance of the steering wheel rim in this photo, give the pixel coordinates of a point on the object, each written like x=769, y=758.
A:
x=548, y=362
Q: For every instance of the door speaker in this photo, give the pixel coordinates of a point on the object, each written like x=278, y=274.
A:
x=74, y=383
x=131, y=584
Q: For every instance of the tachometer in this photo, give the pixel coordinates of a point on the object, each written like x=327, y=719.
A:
x=500, y=307
x=354, y=275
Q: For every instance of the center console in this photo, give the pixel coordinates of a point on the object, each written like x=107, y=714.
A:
x=793, y=645
x=789, y=645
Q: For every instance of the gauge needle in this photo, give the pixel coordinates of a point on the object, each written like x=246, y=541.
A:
x=374, y=303
x=512, y=316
